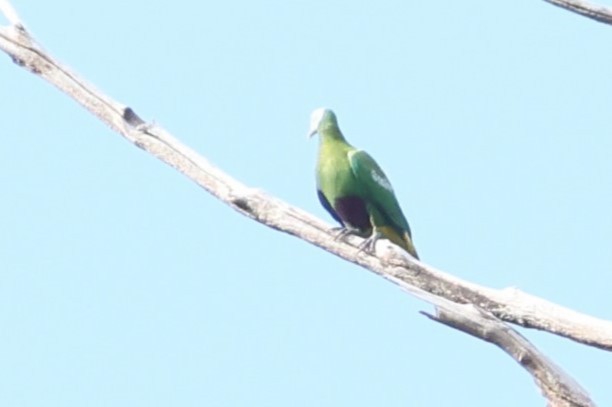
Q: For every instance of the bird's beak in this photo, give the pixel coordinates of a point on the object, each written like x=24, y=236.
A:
x=311, y=133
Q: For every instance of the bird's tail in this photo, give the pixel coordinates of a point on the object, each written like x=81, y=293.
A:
x=403, y=239
x=409, y=246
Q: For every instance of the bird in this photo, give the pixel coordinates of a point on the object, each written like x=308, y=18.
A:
x=353, y=188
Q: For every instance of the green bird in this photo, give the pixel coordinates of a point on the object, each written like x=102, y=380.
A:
x=354, y=189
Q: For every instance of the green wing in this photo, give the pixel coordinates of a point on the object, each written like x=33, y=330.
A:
x=377, y=189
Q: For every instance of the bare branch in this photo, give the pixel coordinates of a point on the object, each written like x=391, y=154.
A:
x=510, y=305
x=556, y=385
x=448, y=293
x=598, y=13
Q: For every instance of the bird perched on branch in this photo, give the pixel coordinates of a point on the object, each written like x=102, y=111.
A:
x=354, y=189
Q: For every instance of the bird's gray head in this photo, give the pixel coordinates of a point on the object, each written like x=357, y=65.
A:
x=320, y=119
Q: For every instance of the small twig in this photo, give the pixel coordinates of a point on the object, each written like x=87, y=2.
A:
x=556, y=385
x=598, y=13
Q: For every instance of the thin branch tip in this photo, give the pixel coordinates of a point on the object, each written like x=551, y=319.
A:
x=595, y=12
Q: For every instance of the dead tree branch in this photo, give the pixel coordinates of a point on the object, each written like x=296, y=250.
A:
x=584, y=8
x=463, y=305
x=510, y=305
x=559, y=388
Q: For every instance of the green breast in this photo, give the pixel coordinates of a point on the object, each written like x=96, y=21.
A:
x=335, y=177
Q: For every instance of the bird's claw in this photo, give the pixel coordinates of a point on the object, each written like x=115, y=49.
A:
x=369, y=245
x=341, y=232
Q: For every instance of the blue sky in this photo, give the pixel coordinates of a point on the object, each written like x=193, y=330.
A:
x=125, y=284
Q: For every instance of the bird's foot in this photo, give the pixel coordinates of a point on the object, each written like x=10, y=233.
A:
x=341, y=232
x=369, y=245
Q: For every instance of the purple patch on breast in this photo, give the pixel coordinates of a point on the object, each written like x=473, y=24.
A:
x=352, y=210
